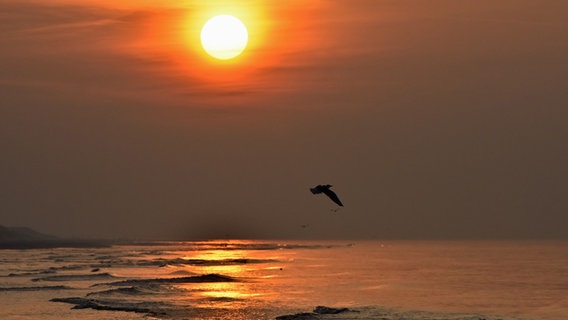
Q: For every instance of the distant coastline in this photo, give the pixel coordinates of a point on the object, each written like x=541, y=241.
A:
x=26, y=238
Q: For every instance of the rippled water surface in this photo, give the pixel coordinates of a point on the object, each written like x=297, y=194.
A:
x=266, y=279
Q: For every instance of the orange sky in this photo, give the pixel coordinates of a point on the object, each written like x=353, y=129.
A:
x=440, y=117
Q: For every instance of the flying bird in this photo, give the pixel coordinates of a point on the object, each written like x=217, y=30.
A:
x=325, y=190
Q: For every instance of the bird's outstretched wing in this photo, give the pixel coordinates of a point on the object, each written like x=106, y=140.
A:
x=332, y=196
x=316, y=190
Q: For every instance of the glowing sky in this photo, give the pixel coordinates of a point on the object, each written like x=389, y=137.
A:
x=432, y=119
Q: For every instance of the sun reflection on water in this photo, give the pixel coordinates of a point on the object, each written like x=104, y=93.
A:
x=231, y=259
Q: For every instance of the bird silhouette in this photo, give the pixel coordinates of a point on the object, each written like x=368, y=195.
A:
x=324, y=188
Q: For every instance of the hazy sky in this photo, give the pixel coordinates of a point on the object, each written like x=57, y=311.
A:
x=431, y=118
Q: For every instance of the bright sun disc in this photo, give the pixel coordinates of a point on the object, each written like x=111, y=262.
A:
x=224, y=37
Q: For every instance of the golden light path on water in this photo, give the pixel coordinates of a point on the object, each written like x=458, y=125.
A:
x=228, y=291
x=257, y=271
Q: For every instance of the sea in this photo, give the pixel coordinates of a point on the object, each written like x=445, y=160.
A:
x=245, y=279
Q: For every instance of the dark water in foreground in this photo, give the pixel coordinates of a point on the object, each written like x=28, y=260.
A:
x=266, y=279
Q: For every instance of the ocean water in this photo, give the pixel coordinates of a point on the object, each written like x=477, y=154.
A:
x=266, y=279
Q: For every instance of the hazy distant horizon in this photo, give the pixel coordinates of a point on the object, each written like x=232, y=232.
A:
x=305, y=238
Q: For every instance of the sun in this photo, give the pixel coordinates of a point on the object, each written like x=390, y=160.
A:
x=224, y=37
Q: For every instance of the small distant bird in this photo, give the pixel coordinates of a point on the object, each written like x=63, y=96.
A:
x=325, y=190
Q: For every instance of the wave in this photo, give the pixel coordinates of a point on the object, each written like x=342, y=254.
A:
x=371, y=313
x=201, y=262
x=121, y=299
x=181, y=272
x=153, y=309
x=31, y=273
x=149, y=308
x=77, y=277
x=213, y=277
x=138, y=290
x=125, y=291
x=160, y=262
x=54, y=270
x=35, y=288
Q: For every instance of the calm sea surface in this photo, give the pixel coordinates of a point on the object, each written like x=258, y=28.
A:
x=266, y=279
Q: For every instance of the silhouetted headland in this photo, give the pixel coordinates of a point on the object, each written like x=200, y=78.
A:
x=26, y=238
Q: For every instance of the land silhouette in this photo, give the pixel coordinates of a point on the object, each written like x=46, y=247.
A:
x=26, y=238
